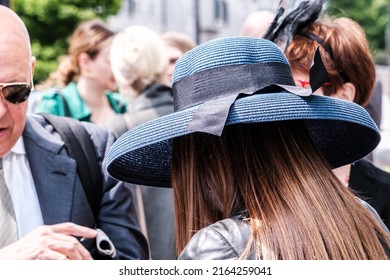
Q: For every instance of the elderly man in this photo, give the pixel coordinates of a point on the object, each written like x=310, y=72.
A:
x=44, y=211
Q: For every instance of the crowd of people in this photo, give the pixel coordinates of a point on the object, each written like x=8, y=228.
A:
x=241, y=147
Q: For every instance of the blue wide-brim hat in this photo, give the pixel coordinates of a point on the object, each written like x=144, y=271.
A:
x=231, y=81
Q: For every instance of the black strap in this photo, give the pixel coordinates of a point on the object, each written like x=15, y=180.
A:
x=79, y=146
x=319, y=40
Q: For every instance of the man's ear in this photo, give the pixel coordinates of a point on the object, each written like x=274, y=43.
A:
x=346, y=92
x=33, y=62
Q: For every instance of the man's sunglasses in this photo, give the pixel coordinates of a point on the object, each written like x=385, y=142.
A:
x=15, y=92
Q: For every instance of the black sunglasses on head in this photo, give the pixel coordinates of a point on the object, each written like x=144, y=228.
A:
x=15, y=92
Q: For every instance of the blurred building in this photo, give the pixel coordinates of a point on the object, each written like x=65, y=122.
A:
x=201, y=19
x=382, y=152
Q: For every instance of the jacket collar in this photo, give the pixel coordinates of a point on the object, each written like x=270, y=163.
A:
x=153, y=96
x=78, y=108
x=54, y=173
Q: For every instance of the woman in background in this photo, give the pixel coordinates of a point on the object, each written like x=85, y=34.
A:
x=347, y=58
x=84, y=78
x=176, y=44
x=139, y=63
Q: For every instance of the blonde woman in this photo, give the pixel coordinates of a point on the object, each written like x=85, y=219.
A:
x=139, y=64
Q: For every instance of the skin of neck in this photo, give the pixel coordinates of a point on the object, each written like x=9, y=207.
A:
x=90, y=91
x=342, y=173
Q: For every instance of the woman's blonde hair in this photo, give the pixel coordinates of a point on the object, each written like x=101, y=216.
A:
x=296, y=207
x=137, y=58
x=350, y=59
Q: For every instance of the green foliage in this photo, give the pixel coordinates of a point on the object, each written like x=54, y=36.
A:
x=372, y=15
x=51, y=22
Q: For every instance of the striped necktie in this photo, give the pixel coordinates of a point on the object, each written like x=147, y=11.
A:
x=8, y=228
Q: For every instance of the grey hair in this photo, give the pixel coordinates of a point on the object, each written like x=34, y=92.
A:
x=137, y=58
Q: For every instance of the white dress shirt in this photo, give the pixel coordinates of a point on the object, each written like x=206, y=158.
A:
x=18, y=178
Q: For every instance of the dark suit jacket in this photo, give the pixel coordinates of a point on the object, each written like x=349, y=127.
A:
x=61, y=195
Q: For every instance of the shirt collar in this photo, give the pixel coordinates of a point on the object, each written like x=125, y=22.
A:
x=19, y=148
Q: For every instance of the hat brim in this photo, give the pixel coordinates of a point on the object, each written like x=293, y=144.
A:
x=343, y=131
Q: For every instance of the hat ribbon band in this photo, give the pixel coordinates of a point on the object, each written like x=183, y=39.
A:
x=228, y=80
x=231, y=82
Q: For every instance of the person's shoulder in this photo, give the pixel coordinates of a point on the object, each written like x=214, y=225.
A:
x=225, y=239
x=51, y=92
x=102, y=137
x=158, y=89
x=117, y=101
x=97, y=133
x=115, y=95
x=373, y=212
x=366, y=170
x=117, y=124
x=48, y=101
x=236, y=224
x=96, y=130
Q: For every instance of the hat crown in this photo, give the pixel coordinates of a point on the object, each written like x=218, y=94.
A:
x=225, y=68
x=227, y=52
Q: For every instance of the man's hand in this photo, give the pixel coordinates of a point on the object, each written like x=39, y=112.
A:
x=54, y=242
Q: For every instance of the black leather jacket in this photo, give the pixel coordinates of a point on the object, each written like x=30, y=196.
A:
x=227, y=239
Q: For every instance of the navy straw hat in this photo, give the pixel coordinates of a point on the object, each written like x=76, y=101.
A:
x=238, y=80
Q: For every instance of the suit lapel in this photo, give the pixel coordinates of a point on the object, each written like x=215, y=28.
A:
x=54, y=173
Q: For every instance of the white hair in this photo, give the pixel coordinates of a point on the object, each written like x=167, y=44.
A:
x=137, y=57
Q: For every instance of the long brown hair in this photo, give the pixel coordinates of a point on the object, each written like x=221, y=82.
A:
x=296, y=207
x=351, y=62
